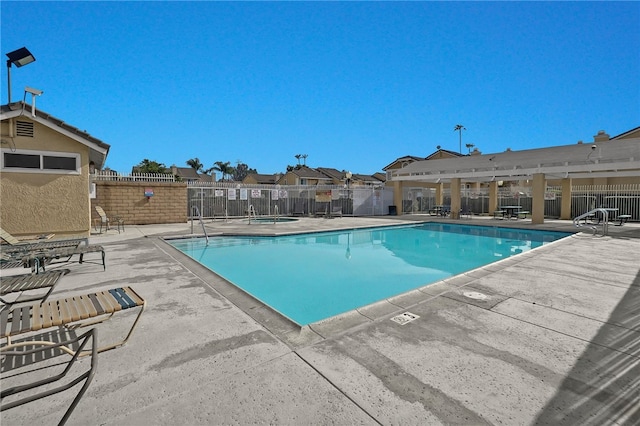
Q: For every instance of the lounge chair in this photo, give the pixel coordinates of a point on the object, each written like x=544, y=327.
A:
x=37, y=260
x=322, y=211
x=466, y=212
x=298, y=209
x=71, y=312
x=10, y=393
x=105, y=221
x=14, y=246
x=7, y=261
x=28, y=282
x=336, y=211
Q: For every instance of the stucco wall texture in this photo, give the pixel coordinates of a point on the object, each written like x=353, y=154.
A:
x=127, y=200
x=41, y=202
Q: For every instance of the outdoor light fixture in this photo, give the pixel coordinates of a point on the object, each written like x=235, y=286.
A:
x=18, y=58
x=34, y=93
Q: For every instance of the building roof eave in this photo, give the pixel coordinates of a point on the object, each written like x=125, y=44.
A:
x=98, y=150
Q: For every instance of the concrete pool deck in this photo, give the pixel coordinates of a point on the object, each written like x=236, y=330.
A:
x=548, y=337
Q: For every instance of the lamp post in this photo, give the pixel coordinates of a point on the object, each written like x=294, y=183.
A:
x=18, y=58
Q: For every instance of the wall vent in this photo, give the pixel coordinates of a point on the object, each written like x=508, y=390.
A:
x=24, y=128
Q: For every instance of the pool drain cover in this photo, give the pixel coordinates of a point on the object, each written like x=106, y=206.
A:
x=474, y=295
x=405, y=318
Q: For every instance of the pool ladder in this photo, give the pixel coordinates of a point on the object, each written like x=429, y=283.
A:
x=252, y=210
x=276, y=214
x=199, y=216
x=605, y=220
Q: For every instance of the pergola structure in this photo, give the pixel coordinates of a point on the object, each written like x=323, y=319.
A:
x=600, y=159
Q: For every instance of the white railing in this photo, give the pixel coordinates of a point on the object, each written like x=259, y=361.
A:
x=196, y=215
x=106, y=175
x=625, y=198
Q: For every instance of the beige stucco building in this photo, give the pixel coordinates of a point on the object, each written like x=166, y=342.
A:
x=605, y=161
x=44, y=173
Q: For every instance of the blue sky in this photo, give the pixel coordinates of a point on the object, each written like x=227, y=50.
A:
x=354, y=85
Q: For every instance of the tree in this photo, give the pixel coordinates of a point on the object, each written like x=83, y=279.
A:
x=195, y=164
x=224, y=168
x=148, y=166
x=241, y=171
x=459, y=128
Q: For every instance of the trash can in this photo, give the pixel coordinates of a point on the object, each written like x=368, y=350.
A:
x=393, y=211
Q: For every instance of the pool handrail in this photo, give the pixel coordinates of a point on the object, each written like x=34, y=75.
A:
x=199, y=216
x=251, y=210
x=605, y=220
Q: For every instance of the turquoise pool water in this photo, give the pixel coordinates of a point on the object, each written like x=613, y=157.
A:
x=311, y=277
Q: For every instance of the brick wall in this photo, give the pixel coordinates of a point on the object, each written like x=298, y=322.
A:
x=127, y=200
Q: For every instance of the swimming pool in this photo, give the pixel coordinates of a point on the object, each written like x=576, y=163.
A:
x=311, y=277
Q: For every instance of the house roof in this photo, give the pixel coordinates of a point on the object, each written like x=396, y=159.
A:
x=409, y=158
x=365, y=178
x=264, y=179
x=188, y=173
x=332, y=173
x=380, y=176
x=611, y=158
x=629, y=133
x=309, y=173
x=98, y=150
x=341, y=175
x=446, y=151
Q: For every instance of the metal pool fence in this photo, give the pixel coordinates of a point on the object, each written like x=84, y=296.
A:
x=626, y=198
x=232, y=199
x=235, y=200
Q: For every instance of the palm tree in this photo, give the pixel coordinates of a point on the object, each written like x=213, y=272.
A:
x=195, y=164
x=469, y=146
x=298, y=158
x=459, y=128
x=224, y=168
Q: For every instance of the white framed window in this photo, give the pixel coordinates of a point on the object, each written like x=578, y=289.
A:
x=27, y=161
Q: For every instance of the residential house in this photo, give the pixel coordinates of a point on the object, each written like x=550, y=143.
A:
x=261, y=179
x=368, y=180
x=303, y=175
x=439, y=154
x=189, y=174
x=45, y=165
